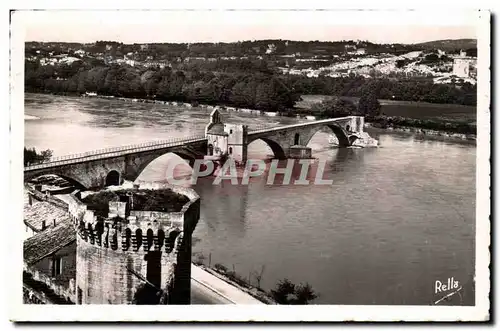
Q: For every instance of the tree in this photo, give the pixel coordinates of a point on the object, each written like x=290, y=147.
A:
x=258, y=276
x=287, y=293
x=32, y=157
x=334, y=107
x=368, y=104
x=147, y=295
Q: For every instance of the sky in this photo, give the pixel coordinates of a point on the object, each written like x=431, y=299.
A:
x=132, y=26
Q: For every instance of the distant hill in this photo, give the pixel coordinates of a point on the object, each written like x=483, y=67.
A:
x=449, y=44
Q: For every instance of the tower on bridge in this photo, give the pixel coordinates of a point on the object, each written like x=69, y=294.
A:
x=226, y=140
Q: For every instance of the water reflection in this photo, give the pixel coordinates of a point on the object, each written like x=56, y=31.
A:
x=219, y=201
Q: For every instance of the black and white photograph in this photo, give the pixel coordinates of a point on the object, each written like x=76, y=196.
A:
x=335, y=163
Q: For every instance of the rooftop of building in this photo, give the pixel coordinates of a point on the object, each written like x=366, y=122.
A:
x=48, y=242
x=217, y=129
x=42, y=212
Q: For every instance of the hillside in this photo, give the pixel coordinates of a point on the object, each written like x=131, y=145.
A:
x=448, y=44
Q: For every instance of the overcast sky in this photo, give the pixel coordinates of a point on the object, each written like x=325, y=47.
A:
x=229, y=26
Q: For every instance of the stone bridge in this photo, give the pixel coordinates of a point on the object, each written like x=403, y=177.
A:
x=281, y=139
x=112, y=166
x=233, y=139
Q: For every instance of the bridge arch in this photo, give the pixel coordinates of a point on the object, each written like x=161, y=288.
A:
x=113, y=178
x=145, y=162
x=352, y=139
x=276, y=148
x=338, y=131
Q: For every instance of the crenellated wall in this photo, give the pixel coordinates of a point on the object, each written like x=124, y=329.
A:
x=116, y=256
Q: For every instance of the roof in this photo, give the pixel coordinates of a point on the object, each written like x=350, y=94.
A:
x=48, y=242
x=217, y=129
x=40, y=211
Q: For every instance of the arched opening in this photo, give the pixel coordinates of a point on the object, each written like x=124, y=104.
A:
x=323, y=138
x=149, y=236
x=261, y=148
x=161, y=239
x=126, y=240
x=138, y=239
x=153, y=269
x=296, y=139
x=169, y=246
x=90, y=233
x=172, y=165
x=348, y=128
x=210, y=149
x=230, y=150
x=99, y=230
x=114, y=240
x=352, y=139
x=113, y=178
x=81, y=229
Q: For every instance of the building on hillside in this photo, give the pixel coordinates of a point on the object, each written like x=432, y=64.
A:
x=349, y=48
x=464, y=66
x=360, y=51
x=271, y=48
x=160, y=64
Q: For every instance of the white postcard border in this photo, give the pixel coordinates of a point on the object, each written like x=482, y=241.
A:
x=20, y=312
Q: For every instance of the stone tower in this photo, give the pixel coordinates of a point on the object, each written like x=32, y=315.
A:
x=135, y=256
x=237, y=142
x=226, y=139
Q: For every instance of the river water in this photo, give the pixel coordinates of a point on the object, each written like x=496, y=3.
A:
x=395, y=220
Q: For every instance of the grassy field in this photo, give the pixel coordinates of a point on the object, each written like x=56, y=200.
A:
x=408, y=109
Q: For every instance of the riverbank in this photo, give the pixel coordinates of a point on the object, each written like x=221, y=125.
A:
x=260, y=295
x=423, y=134
x=186, y=105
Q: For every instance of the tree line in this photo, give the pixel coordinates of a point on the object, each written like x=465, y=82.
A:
x=239, y=83
x=423, y=90
x=258, y=90
x=31, y=156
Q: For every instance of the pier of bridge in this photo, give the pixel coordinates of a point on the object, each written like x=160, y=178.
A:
x=112, y=166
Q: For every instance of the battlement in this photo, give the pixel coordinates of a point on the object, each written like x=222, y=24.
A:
x=127, y=229
x=128, y=239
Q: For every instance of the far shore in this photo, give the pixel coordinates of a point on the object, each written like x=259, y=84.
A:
x=422, y=133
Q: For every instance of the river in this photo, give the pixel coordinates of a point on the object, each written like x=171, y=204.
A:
x=396, y=219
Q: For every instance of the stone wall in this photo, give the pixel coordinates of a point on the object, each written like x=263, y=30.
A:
x=68, y=264
x=64, y=292
x=105, y=276
x=114, y=258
